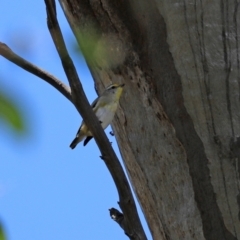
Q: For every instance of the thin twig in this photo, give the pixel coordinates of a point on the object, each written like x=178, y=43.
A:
x=132, y=226
x=7, y=53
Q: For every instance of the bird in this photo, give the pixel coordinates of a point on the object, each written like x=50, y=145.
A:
x=105, y=107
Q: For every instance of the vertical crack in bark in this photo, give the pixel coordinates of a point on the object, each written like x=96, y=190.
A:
x=194, y=52
x=227, y=61
x=227, y=58
x=235, y=22
x=206, y=80
x=235, y=150
x=101, y=4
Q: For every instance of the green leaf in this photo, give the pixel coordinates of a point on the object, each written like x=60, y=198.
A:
x=2, y=235
x=105, y=51
x=11, y=114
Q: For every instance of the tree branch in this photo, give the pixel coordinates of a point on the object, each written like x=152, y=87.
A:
x=132, y=224
x=7, y=53
x=118, y=217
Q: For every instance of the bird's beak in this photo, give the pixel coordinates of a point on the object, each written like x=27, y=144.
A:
x=122, y=85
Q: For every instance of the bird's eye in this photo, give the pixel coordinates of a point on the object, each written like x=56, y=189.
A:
x=113, y=87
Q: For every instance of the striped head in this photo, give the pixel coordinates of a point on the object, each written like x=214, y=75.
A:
x=114, y=90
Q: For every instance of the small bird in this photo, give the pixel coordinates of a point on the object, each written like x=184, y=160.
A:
x=105, y=107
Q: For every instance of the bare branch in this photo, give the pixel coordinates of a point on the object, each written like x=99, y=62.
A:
x=7, y=53
x=127, y=204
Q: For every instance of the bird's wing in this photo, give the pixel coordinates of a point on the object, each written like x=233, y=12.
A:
x=94, y=104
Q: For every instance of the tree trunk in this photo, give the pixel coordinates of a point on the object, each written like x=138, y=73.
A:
x=178, y=122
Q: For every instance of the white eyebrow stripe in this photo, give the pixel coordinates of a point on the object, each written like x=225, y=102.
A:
x=112, y=85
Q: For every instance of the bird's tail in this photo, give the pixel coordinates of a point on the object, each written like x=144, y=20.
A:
x=77, y=140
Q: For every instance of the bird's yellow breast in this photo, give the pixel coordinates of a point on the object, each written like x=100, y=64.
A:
x=119, y=93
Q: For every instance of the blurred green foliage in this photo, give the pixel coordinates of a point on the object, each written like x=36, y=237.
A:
x=88, y=40
x=10, y=114
x=2, y=235
x=103, y=50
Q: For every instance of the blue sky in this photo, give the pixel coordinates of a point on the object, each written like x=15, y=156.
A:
x=47, y=190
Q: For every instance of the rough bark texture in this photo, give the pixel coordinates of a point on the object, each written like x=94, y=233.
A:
x=178, y=125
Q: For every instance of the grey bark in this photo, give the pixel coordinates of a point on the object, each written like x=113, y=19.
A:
x=178, y=123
